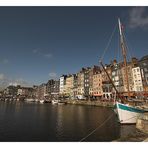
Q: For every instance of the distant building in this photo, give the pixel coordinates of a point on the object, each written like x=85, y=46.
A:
x=25, y=91
x=92, y=71
x=80, y=89
x=130, y=79
x=69, y=85
x=137, y=79
x=41, y=91
x=75, y=86
x=107, y=87
x=62, y=85
x=143, y=63
x=53, y=88
x=11, y=90
x=86, y=81
x=97, y=85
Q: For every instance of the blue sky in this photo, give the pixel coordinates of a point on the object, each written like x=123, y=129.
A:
x=38, y=43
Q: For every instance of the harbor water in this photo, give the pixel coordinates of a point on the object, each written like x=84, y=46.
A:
x=22, y=121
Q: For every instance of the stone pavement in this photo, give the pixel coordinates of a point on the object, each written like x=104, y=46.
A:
x=146, y=140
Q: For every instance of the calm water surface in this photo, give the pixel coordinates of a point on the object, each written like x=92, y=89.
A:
x=20, y=121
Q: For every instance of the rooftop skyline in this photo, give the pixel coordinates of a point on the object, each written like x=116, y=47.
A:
x=39, y=43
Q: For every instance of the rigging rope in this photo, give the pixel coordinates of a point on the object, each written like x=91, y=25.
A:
x=113, y=32
x=96, y=128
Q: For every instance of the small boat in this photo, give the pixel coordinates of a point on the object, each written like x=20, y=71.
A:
x=62, y=102
x=29, y=100
x=41, y=101
x=36, y=100
x=55, y=101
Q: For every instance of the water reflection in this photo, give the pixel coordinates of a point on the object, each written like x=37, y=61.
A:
x=22, y=121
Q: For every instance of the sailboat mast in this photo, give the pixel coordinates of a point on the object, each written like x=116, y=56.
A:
x=123, y=47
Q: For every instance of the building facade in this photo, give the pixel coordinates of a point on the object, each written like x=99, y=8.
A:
x=143, y=63
x=97, y=85
x=62, y=85
x=137, y=79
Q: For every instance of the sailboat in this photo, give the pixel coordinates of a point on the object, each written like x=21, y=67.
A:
x=127, y=114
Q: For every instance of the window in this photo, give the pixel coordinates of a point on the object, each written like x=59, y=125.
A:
x=145, y=69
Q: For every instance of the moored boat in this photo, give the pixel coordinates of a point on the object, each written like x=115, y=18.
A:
x=29, y=100
x=127, y=114
x=41, y=101
x=54, y=101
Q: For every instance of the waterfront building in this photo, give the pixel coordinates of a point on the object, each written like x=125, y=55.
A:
x=75, y=87
x=143, y=63
x=41, y=91
x=93, y=70
x=52, y=88
x=69, y=85
x=1, y=93
x=80, y=89
x=137, y=79
x=107, y=87
x=62, y=85
x=130, y=79
x=11, y=90
x=86, y=81
x=97, y=85
x=116, y=76
x=25, y=91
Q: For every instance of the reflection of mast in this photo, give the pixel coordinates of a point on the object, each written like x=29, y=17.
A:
x=123, y=47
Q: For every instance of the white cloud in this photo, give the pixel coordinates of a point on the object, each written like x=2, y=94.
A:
x=4, y=61
x=138, y=17
x=40, y=53
x=35, y=51
x=48, y=55
x=52, y=75
x=2, y=76
x=5, y=81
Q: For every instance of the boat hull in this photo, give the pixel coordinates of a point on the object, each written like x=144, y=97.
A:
x=54, y=101
x=41, y=101
x=127, y=114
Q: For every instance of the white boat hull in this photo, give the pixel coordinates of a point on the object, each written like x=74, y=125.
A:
x=42, y=101
x=127, y=114
x=54, y=101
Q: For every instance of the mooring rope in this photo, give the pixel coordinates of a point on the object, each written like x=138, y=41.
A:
x=132, y=118
x=96, y=128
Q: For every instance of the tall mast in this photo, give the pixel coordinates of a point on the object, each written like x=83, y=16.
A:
x=123, y=47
